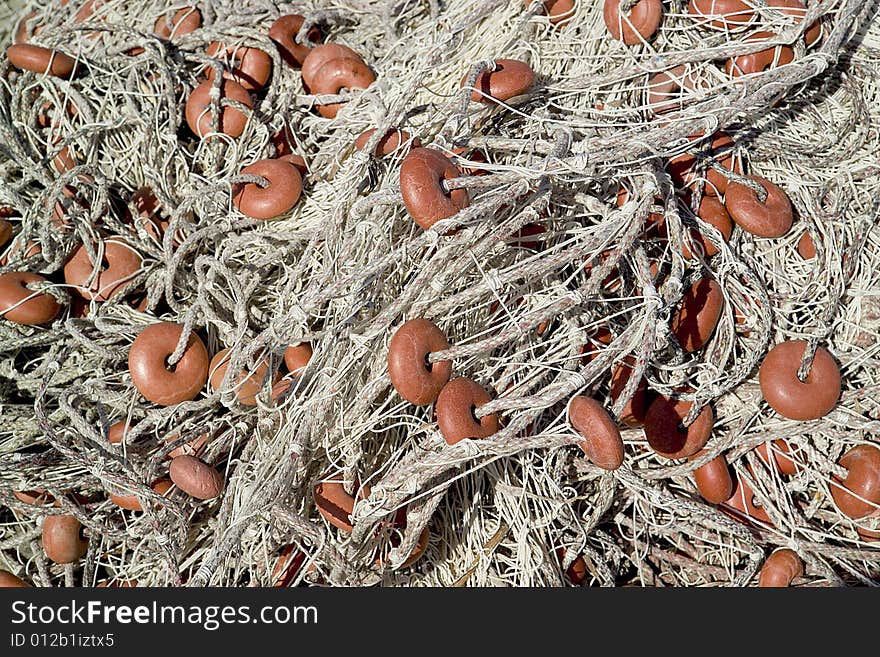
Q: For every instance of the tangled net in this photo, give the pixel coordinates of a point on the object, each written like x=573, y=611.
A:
x=545, y=286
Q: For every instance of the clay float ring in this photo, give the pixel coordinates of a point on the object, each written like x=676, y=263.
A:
x=297, y=357
x=50, y=116
x=778, y=456
x=577, y=572
x=419, y=549
x=682, y=168
x=866, y=533
x=722, y=14
x=281, y=390
x=184, y=21
x=511, y=78
x=763, y=60
x=455, y=411
x=557, y=11
x=667, y=436
x=22, y=305
x=282, y=141
x=87, y=10
x=421, y=174
x=19, y=251
x=598, y=338
x=789, y=396
x=120, y=264
x=698, y=315
x=283, y=32
x=522, y=238
x=24, y=31
x=193, y=447
x=713, y=480
x=5, y=231
x=195, y=477
x=64, y=160
x=638, y=25
x=147, y=207
x=806, y=248
x=149, y=372
x=388, y=144
x=863, y=480
x=633, y=412
x=603, y=444
x=10, y=581
x=713, y=212
x=399, y=524
x=67, y=206
x=413, y=377
x=463, y=156
x=41, y=60
x=246, y=385
x=38, y=497
x=249, y=67
x=772, y=218
x=199, y=115
x=298, y=162
x=742, y=504
x=663, y=88
x=336, y=75
x=132, y=503
x=797, y=10
x=117, y=432
x=287, y=566
x=62, y=539
x=335, y=504
x=780, y=569
x=322, y=54
x=275, y=199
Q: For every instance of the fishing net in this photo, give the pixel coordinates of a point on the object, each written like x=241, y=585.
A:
x=564, y=276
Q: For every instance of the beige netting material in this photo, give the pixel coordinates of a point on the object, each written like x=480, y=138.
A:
x=347, y=266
